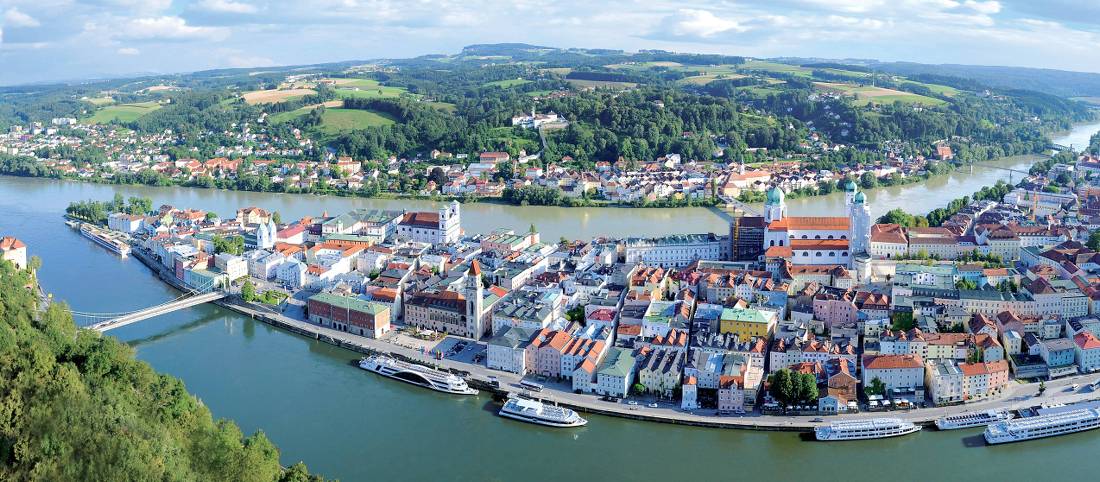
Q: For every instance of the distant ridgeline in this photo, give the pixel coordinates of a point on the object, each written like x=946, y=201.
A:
x=77, y=405
x=635, y=106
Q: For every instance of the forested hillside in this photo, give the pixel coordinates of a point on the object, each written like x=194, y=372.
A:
x=76, y=405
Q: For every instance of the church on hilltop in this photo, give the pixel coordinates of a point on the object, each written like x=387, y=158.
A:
x=817, y=240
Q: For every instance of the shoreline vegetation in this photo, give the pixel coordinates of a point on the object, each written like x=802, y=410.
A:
x=65, y=390
x=522, y=196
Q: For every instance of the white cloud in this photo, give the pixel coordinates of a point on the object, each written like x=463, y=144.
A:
x=699, y=23
x=227, y=6
x=168, y=28
x=15, y=18
x=128, y=51
x=987, y=8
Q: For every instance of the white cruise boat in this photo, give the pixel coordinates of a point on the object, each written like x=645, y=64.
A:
x=972, y=419
x=416, y=374
x=865, y=429
x=1043, y=426
x=534, y=411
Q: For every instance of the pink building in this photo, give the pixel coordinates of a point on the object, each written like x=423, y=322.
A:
x=543, y=354
x=731, y=394
x=983, y=379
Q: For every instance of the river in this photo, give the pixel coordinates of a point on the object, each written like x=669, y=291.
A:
x=349, y=424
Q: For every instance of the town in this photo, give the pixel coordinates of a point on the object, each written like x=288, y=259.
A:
x=779, y=315
x=255, y=157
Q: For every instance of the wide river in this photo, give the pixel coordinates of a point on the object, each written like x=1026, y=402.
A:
x=348, y=424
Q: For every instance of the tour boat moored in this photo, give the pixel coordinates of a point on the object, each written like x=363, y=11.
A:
x=534, y=411
x=865, y=429
x=417, y=374
x=972, y=419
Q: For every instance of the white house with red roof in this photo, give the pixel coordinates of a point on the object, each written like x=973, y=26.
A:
x=1086, y=349
x=13, y=250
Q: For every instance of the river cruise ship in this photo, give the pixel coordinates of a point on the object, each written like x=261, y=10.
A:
x=105, y=239
x=534, y=411
x=416, y=374
x=972, y=419
x=1043, y=426
x=865, y=429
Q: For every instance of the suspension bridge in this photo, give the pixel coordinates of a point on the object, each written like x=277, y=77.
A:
x=102, y=322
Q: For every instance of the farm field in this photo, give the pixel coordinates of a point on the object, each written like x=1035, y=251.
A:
x=708, y=78
x=593, y=84
x=285, y=116
x=507, y=83
x=562, y=71
x=365, y=89
x=97, y=101
x=122, y=112
x=341, y=120
x=866, y=94
x=274, y=96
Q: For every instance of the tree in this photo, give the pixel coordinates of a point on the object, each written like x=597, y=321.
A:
x=34, y=264
x=277, y=218
x=1094, y=241
x=58, y=381
x=248, y=291
x=211, y=216
x=781, y=386
x=876, y=387
x=902, y=321
x=807, y=388
x=232, y=245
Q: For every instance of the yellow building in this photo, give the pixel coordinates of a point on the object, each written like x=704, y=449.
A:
x=747, y=323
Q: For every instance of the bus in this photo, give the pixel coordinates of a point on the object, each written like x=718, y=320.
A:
x=532, y=386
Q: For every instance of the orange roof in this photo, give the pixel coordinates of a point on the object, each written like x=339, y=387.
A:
x=973, y=369
x=1086, y=340
x=778, y=252
x=8, y=243
x=892, y=362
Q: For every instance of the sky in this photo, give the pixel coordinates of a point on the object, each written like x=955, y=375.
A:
x=63, y=40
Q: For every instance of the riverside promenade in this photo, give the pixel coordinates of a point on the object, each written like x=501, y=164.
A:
x=1016, y=396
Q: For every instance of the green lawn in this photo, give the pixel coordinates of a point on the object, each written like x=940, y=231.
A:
x=122, y=112
x=443, y=106
x=507, y=83
x=338, y=119
x=341, y=120
x=866, y=94
x=507, y=138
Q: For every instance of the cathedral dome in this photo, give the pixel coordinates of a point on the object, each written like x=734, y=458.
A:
x=775, y=195
x=850, y=186
x=860, y=198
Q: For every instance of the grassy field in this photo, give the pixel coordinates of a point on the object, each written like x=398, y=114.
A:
x=98, y=101
x=365, y=89
x=1088, y=100
x=507, y=138
x=274, y=96
x=775, y=67
x=939, y=89
x=507, y=83
x=708, y=78
x=593, y=84
x=288, y=115
x=122, y=112
x=342, y=120
x=865, y=94
x=443, y=106
x=562, y=71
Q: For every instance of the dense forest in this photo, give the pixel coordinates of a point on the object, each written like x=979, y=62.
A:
x=77, y=405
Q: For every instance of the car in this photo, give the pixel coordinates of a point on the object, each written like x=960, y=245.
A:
x=1074, y=387
x=631, y=402
x=818, y=419
x=652, y=405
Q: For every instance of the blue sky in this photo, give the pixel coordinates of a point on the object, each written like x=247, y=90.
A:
x=44, y=40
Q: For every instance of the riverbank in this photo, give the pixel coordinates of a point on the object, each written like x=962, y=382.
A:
x=1013, y=398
